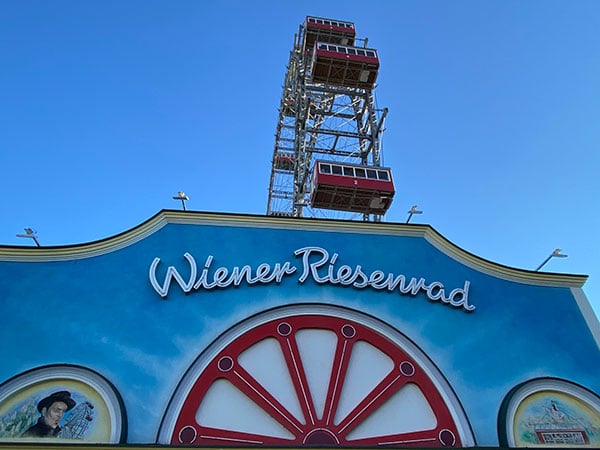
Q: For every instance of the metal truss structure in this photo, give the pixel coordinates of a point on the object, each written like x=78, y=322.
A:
x=324, y=122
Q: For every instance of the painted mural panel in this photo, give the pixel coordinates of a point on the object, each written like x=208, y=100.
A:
x=550, y=412
x=61, y=402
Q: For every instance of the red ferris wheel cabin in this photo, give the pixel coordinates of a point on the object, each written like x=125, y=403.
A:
x=327, y=30
x=354, y=188
x=344, y=65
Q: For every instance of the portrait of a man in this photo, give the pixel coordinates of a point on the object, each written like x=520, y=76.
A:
x=52, y=409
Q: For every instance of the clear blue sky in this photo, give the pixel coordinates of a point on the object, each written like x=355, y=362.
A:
x=108, y=108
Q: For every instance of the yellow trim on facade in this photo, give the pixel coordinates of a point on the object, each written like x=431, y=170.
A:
x=164, y=217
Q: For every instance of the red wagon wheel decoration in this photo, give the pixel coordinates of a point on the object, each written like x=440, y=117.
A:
x=314, y=380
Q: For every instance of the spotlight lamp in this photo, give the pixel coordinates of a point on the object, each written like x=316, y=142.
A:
x=413, y=210
x=30, y=233
x=183, y=197
x=555, y=254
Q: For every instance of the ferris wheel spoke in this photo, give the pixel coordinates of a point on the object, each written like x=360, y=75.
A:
x=241, y=379
x=293, y=360
x=391, y=384
x=338, y=373
x=218, y=436
x=437, y=437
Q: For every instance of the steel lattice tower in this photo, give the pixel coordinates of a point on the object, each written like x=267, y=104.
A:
x=320, y=121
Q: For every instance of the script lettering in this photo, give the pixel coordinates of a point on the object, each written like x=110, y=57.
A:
x=318, y=265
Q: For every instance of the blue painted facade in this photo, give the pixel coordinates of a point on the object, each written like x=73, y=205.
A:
x=94, y=306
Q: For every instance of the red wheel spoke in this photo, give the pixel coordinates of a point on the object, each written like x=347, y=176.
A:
x=427, y=438
x=217, y=436
x=391, y=384
x=257, y=393
x=298, y=375
x=338, y=373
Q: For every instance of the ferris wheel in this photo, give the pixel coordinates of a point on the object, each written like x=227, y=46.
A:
x=78, y=422
x=327, y=158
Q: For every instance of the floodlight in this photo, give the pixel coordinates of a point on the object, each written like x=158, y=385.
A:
x=413, y=210
x=556, y=253
x=30, y=233
x=181, y=196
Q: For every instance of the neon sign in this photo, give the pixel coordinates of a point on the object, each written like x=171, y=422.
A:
x=318, y=265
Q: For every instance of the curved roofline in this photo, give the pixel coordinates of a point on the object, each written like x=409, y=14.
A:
x=169, y=216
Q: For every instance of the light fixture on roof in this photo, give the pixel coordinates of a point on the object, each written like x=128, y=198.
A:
x=555, y=254
x=30, y=233
x=181, y=196
x=413, y=210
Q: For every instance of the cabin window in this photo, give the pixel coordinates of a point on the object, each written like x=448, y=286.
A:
x=336, y=170
x=333, y=23
x=360, y=173
x=371, y=54
x=348, y=171
x=352, y=51
x=324, y=168
x=371, y=174
x=361, y=52
x=383, y=175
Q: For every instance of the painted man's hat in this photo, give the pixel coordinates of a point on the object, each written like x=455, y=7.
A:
x=60, y=396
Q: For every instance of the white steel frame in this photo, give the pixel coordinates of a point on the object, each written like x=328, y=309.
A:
x=319, y=122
